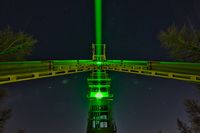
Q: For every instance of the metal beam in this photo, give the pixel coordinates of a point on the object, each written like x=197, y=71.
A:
x=28, y=70
x=173, y=70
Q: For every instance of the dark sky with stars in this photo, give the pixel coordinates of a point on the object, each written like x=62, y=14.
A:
x=64, y=29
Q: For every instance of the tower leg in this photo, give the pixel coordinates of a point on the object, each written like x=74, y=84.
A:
x=100, y=110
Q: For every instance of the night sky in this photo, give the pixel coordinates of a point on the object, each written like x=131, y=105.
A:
x=64, y=29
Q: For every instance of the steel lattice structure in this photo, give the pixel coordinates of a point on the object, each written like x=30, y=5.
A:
x=100, y=111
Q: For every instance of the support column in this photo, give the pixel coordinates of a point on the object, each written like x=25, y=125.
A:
x=100, y=109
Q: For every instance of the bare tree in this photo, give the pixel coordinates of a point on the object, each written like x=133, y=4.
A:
x=182, y=127
x=160, y=131
x=21, y=131
x=183, y=43
x=5, y=113
x=15, y=45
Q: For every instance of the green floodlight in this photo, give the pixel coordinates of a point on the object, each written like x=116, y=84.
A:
x=99, y=63
x=99, y=95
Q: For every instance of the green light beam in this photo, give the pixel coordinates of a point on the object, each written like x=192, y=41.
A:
x=98, y=22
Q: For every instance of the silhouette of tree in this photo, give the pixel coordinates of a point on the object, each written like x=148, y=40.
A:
x=182, y=127
x=193, y=111
x=21, y=131
x=15, y=45
x=159, y=131
x=5, y=113
x=183, y=43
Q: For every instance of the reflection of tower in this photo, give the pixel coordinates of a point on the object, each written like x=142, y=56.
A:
x=100, y=110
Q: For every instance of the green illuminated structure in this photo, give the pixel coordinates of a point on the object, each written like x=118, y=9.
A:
x=100, y=110
x=98, y=22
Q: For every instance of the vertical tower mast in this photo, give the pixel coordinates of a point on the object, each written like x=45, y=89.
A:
x=98, y=23
x=100, y=109
x=98, y=47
